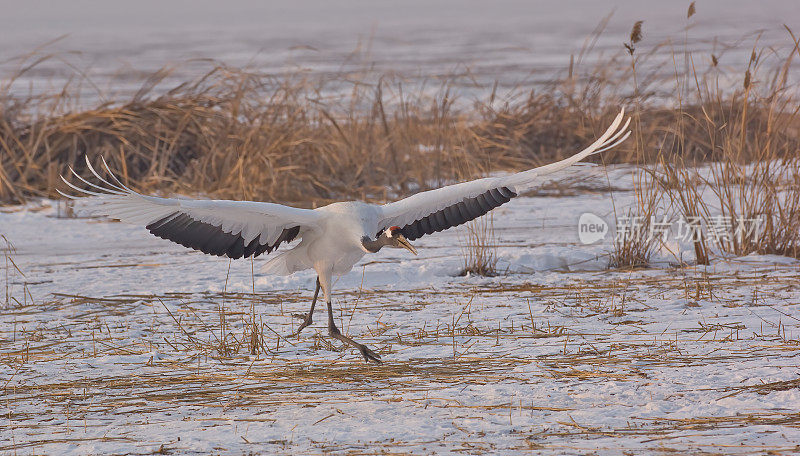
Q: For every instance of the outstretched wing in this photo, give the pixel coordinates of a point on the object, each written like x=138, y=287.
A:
x=234, y=229
x=446, y=207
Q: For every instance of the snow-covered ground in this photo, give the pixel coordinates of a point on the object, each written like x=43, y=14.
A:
x=112, y=345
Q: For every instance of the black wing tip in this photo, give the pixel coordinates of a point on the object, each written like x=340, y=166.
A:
x=182, y=229
x=457, y=214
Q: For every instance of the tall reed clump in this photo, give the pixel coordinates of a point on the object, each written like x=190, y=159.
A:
x=637, y=229
x=747, y=199
x=634, y=241
x=237, y=134
x=726, y=160
x=479, y=251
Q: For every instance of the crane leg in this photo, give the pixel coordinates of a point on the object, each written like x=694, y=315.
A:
x=309, y=318
x=368, y=354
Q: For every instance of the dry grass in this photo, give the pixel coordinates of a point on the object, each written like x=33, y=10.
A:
x=13, y=277
x=233, y=133
x=748, y=195
x=479, y=250
x=726, y=159
x=243, y=135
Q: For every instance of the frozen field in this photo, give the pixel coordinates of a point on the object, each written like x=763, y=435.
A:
x=119, y=342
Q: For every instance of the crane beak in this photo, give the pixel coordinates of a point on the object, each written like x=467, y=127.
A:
x=405, y=244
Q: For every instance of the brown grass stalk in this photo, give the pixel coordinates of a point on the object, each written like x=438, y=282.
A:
x=479, y=251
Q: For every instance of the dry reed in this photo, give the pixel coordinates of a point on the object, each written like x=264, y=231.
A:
x=479, y=251
x=747, y=193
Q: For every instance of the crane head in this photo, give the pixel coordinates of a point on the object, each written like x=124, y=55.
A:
x=390, y=237
x=397, y=240
x=394, y=238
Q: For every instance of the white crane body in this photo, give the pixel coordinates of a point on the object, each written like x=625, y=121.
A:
x=351, y=221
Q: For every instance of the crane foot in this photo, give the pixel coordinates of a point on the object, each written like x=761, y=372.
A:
x=306, y=322
x=369, y=355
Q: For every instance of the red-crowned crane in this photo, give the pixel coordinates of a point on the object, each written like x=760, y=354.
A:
x=332, y=238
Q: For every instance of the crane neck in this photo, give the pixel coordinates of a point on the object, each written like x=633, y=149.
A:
x=374, y=246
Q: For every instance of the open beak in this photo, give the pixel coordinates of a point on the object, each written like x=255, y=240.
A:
x=404, y=242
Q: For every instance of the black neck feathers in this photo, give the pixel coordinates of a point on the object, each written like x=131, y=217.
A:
x=374, y=246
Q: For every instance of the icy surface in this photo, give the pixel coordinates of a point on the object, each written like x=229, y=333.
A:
x=110, y=48
x=112, y=345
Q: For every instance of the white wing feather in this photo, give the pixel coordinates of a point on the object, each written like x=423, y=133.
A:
x=249, y=219
x=415, y=207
